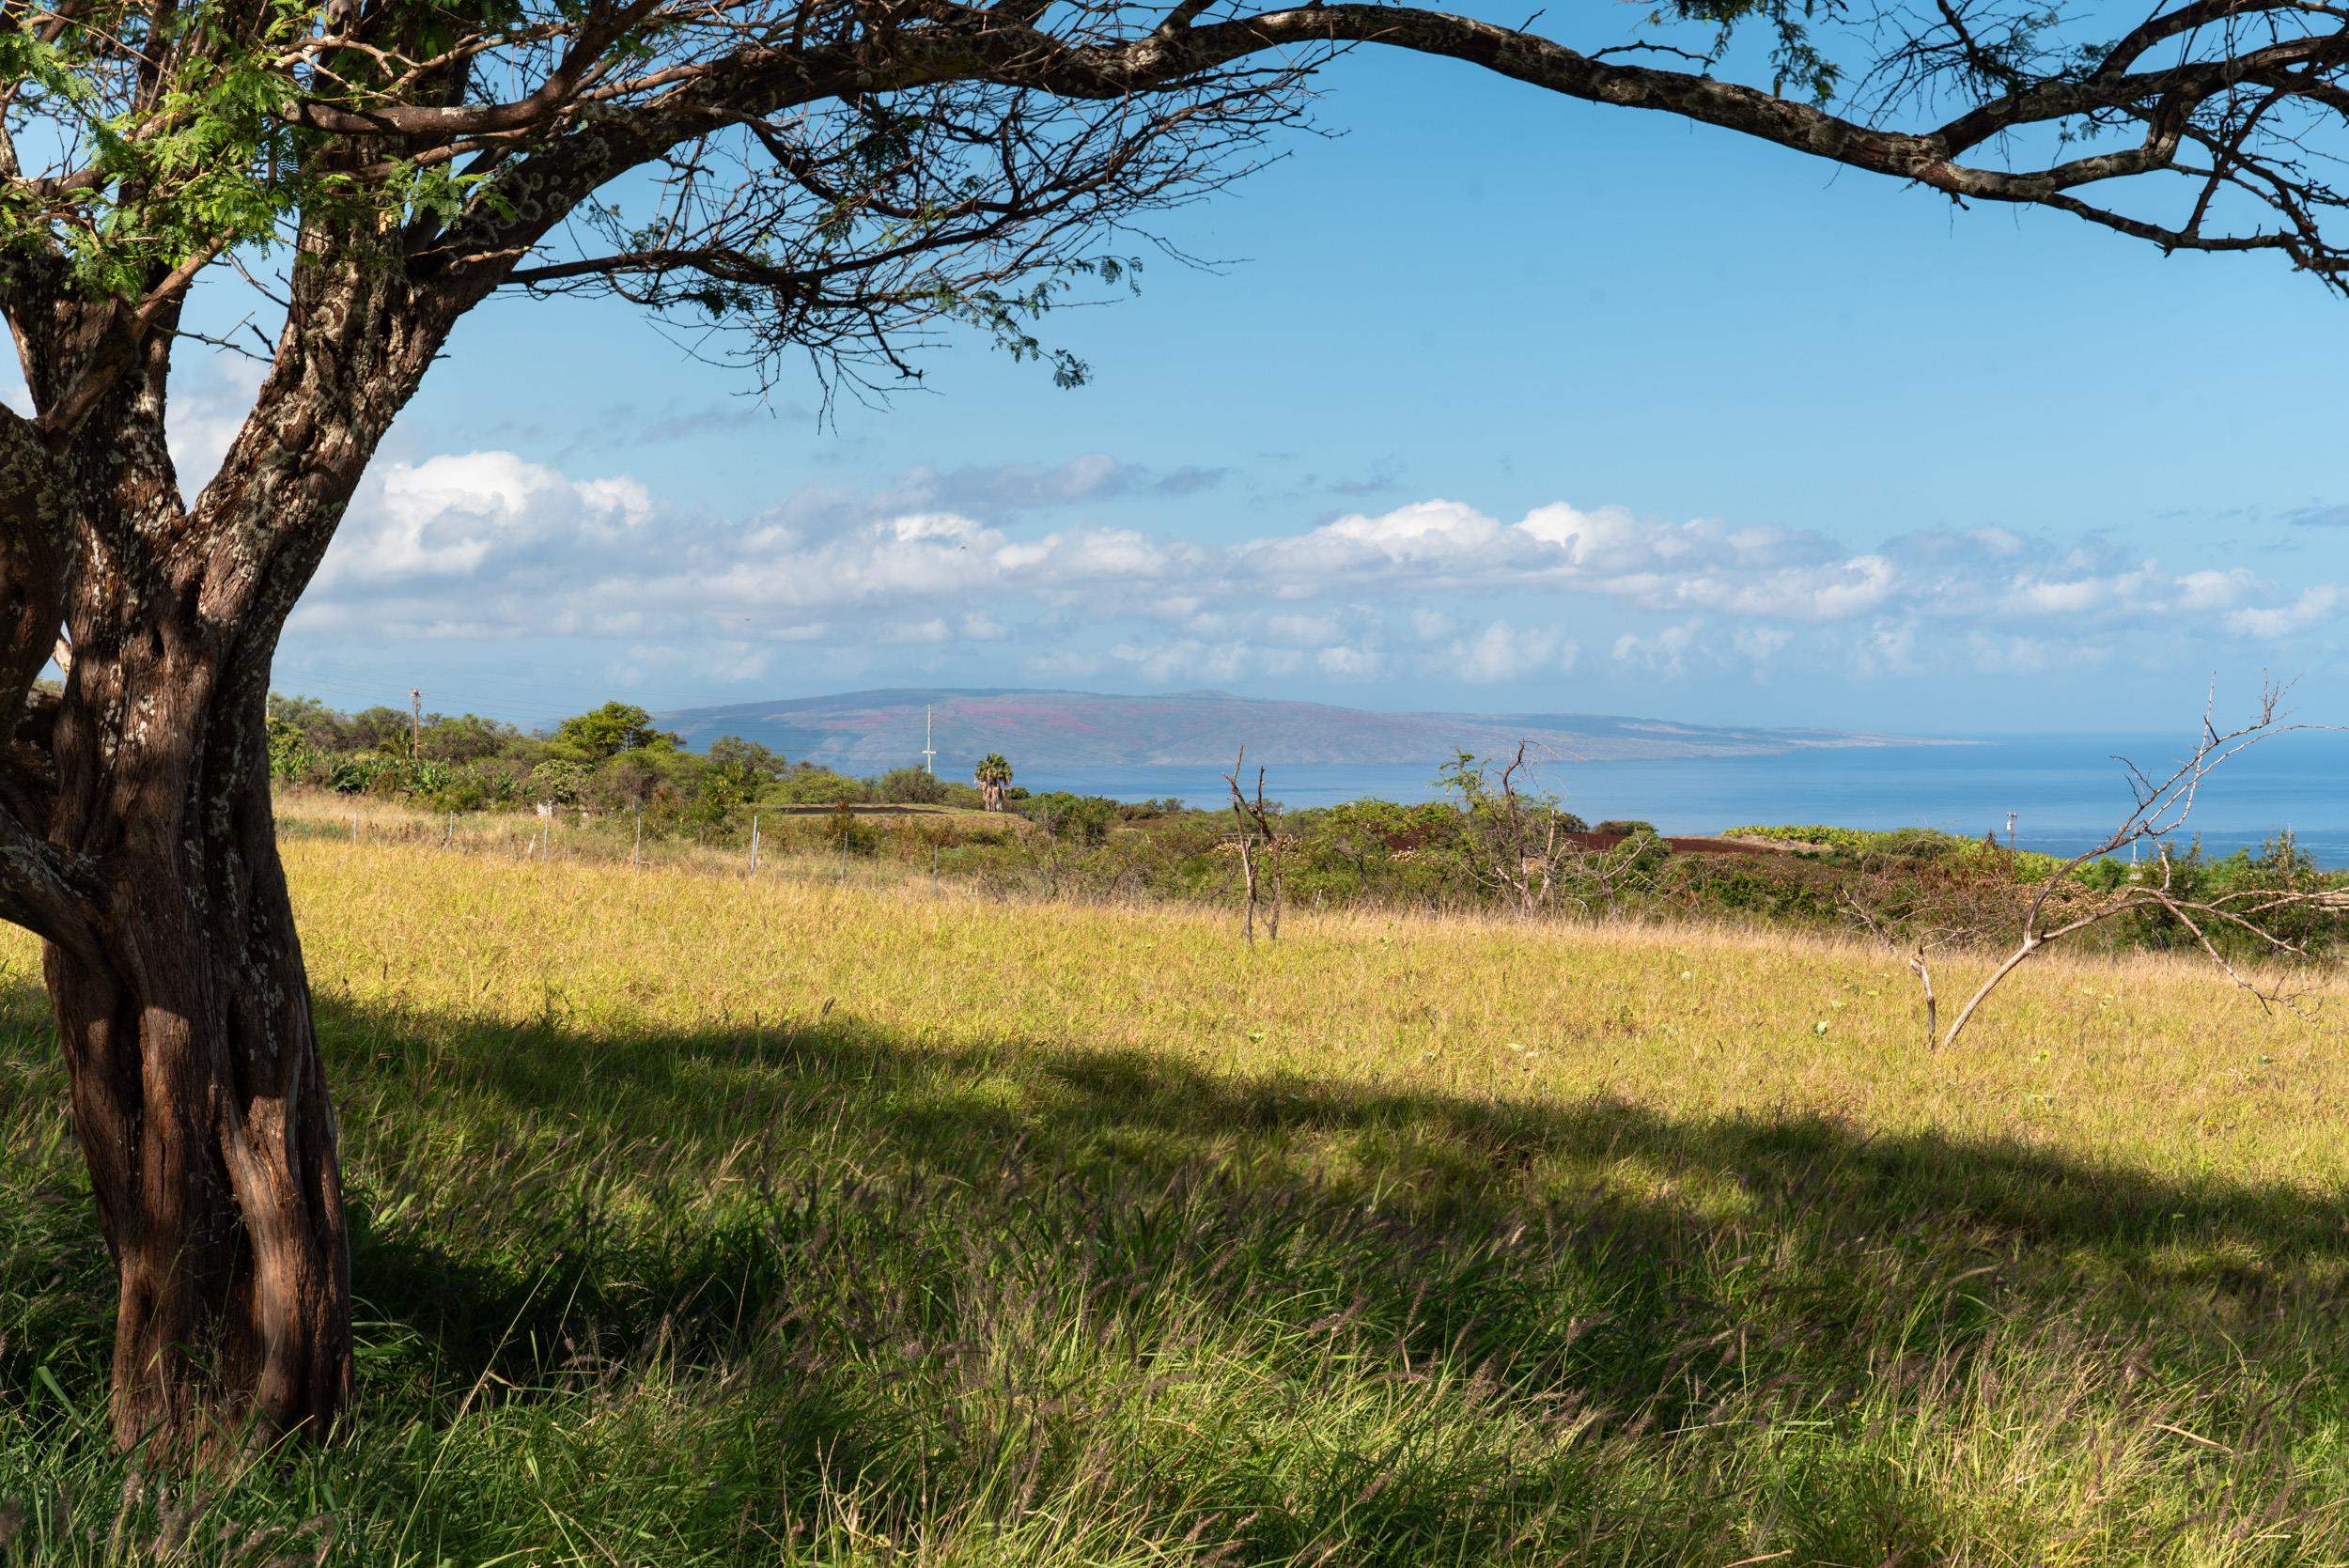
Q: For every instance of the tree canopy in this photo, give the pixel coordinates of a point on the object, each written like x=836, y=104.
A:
x=605, y=732
x=840, y=177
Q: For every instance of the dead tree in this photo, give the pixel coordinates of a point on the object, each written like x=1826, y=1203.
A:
x=2061, y=906
x=1258, y=834
x=1525, y=839
x=1919, y=908
x=1520, y=845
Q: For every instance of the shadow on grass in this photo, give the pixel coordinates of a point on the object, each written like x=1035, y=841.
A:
x=1583, y=1317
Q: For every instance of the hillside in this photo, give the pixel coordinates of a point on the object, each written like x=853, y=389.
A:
x=867, y=731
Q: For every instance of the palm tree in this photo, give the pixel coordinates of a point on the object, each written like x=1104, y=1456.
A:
x=991, y=775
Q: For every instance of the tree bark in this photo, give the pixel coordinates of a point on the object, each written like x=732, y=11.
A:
x=197, y=1097
x=137, y=837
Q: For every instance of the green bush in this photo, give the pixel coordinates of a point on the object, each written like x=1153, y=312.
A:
x=912, y=786
x=1084, y=819
x=845, y=833
x=817, y=786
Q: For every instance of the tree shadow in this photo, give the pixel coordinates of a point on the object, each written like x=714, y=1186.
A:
x=1599, y=1256
x=547, y=1210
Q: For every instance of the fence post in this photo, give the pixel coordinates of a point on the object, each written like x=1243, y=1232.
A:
x=354, y=824
x=753, y=844
x=448, y=840
x=636, y=856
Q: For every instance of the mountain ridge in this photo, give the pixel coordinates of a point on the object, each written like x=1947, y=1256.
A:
x=1049, y=727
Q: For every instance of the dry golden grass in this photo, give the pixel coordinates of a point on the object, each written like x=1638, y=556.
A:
x=2149, y=1060
x=716, y=1219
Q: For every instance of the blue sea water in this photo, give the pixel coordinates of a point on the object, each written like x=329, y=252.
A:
x=2066, y=791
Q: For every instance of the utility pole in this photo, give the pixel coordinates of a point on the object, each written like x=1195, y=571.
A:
x=416, y=721
x=929, y=753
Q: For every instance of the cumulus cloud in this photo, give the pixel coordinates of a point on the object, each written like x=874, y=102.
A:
x=2311, y=609
x=1349, y=663
x=446, y=517
x=1313, y=631
x=488, y=543
x=1501, y=652
x=1430, y=626
x=1663, y=652
x=205, y=413
x=1756, y=647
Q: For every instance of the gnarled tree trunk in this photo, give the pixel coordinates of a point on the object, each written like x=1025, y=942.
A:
x=198, y=1096
x=137, y=838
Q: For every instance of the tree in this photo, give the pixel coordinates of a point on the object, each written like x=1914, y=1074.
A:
x=911, y=785
x=2283, y=916
x=992, y=775
x=466, y=737
x=1513, y=843
x=744, y=764
x=602, y=734
x=322, y=729
x=1257, y=826
x=840, y=179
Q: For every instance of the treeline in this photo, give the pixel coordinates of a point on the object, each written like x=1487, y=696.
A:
x=615, y=759
x=1485, y=842
x=610, y=758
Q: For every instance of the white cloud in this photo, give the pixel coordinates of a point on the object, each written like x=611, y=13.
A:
x=1889, y=648
x=491, y=544
x=2309, y=610
x=1758, y=645
x=2014, y=654
x=1190, y=660
x=2061, y=598
x=207, y=410
x=1663, y=652
x=1313, y=631
x=2214, y=590
x=1501, y=652
x=443, y=518
x=1349, y=663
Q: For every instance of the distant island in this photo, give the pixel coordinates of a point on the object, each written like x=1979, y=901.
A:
x=869, y=731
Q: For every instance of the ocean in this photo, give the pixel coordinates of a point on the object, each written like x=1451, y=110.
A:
x=2066, y=792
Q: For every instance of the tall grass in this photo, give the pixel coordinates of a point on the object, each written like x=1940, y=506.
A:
x=705, y=1221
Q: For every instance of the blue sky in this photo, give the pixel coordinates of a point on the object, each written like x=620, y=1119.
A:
x=1500, y=402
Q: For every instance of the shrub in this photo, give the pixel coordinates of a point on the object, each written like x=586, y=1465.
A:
x=1073, y=819
x=816, y=787
x=913, y=786
x=291, y=756
x=848, y=835
x=559, y=780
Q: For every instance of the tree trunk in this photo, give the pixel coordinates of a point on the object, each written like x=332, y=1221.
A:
x=137, y=835
x=199, y=1101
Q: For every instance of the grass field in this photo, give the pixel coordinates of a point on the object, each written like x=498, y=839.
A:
x=710, y=1221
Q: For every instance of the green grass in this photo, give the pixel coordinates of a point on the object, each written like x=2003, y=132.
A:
x=703, y=1222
